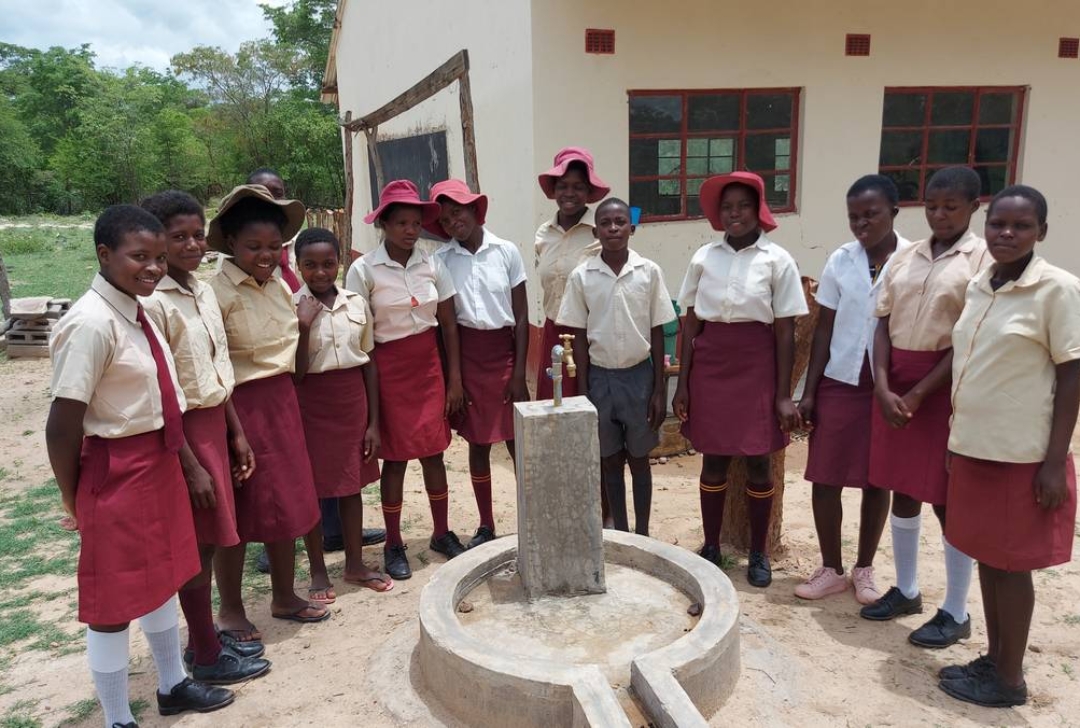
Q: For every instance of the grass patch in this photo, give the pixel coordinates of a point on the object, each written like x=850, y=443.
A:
x=19, y=716
x=49, y=261
x=79, y=711
x=138, y=707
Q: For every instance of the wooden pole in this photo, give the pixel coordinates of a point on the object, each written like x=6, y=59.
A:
x=468, y=132
x=372, y=134
x=346, y=228
x=5, y=294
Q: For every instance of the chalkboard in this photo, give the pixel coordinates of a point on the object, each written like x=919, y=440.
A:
x=420, y=159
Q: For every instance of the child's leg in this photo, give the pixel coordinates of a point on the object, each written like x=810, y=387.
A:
x=1015, y=603
x=480, y=473
x=321, y=589
x=605, y=506
x=760, y=494
x=641, y=477
x=438, y=492
x=162, y=630
x=195, y=600
x=107, y=654
x=331, y=523
x=988, y=586
x=872, y=515
x=352, y=530
x=612, y=467
x=713, y=492
x=284, y=601
x=828, y=518
x=958, y=570
x=229, y=574
x=906, y=523
x=511, y=450
x=391, y=488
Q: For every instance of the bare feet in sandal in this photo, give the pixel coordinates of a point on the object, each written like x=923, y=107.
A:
x=322, y=594
x=370, y=579
x=298, y=609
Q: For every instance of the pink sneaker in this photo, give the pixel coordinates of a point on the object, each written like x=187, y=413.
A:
x=822, y=583
x=866, y=591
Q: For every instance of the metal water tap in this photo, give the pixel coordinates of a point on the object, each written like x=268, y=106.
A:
x=561, y=354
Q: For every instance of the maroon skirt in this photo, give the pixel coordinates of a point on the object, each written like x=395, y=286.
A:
x=993, y=517
x=911, y=460
x=278, y=502
x=733, y=391
x=412, y=398
x=334, y=408
x=208, y=436
x=839, y=452
x=134, y=514
x=487, y=366
x=544, y=387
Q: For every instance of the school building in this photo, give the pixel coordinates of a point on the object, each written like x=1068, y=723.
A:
x=810, y=95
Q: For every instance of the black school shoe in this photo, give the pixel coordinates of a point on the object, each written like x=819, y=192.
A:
x=262, y=562
x=758, y=570
x=941, y=631
x=893, y=604
x=978, y=667
x=396, y=564
x=191, y=695
x=986, y=690
x=449, y=545
x=132, y=724
x=711, y=554
x=251, y=648
x=230, y=669
x=373, y=536
x=483, y=535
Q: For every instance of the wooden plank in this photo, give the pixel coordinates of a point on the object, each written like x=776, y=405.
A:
x=372, y=135
x=349, y=138
x=434, y=82
x=468, y=132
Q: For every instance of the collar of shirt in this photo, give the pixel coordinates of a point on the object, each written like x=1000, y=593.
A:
x=168, y=283
x=455, y=247
x=1031, y=275
x=588, y=220
x=340, y=301
x=965, y=244
x=237, y=276
x=124, y=304
x=597, y=263
x=857, y=254
x=762, y=243
x=381, y=256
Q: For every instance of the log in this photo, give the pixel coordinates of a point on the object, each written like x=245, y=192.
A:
x=468, y=133
x=5, y=294
x=454, y=68
x=346, y=228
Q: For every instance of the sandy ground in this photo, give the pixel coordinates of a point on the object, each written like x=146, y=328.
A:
x=805, y=664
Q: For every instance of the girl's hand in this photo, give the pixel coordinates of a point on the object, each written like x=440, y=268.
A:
x=306, y=311
x=788, y=414
x=516, y=390
x=243, y=459
x=200, y=486
x=680, y=403
x=1051, y=488
x=657, y=409
x=371, y=444
x=893, y=408
x=806, y=412
x=912, y=402
x=455, y=399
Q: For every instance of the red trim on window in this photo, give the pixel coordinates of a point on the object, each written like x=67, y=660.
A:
x=857, y=44
x=1068, y=47
x=599, y=41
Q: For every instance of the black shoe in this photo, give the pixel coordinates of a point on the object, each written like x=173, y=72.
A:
x=190, y=695
x=132, y=724
x=449, y=545
x=251, y=648
x=230, y=668
x=986, y=690
x=711, y=554
x=978, y=667
x=395, y=563
x=373, y=536
x=333, y=543
x=262, y=562
x=483, y=535
x=892, y=605
x=941, y=631
x=759, y=571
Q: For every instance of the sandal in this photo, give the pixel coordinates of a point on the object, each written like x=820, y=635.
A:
x=304, y=615
x=373, y=582
x=250, y=634
x=322, y=595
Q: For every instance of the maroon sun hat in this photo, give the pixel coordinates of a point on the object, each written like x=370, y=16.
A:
x=459, y=192
x=403, y=192
x=563, y=159
x=713, y=189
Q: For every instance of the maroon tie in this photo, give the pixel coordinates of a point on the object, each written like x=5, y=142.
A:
x=170, y=405
x=287, y=274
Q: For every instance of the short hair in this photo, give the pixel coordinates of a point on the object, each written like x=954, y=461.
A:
x=311, y=236
x=389, y=210
x=581, y=167
x=1030, y=194
x=611, y=202
x=749, y=188
x=960, y=179
x=120, y=220
x=170, y=203
x=876, y=183
x=262, y=172
x=250, y=211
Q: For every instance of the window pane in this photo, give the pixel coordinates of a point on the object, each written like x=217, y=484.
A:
x=993, y=179
x=952, y=109
x=648, y=196
x=693, y=186
x=722, y=147
x=777, y=190
x=761, y=151
x=653, y=114
x=948, y=147
x=904, y=109
x=997, y=108
x=697, y=147
x=768, y=111
x=993, y=145
x=900, y=148
x=693, y=207
x=907, y=181
x=697, y=165
x=713, y=112
x=721, y=165
x=650, y=157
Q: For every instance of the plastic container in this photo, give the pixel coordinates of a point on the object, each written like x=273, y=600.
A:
x=635, y=215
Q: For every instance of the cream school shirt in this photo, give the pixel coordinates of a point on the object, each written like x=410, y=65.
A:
x=1005, y=347
x=101, y=357
x=558, y=252
x=846, y=288
x=758, y=283
x=191, y=322
x=341, y=336
x=403, y=300
x=484, y=281
x=617, y=312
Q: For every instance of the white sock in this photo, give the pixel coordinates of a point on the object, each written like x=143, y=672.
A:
x=107, y=655
x=958, y=568
x=905, y=546
x=162, y=630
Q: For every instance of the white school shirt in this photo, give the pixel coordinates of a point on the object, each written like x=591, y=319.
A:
x=845, y=287
x=484, y=281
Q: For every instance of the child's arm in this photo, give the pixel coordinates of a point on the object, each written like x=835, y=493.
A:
x=63, y=439
x=307, y=308
x=371, y=387
x=786, y=412
x=893, y=407
x=1050, y=483
x=937, y=378
x=819, y=358
x=455, y=392
x=243, y=457
x=580, y=347
x=200, y=484
x=518, y=391
x=657, y=405
x=680, y=403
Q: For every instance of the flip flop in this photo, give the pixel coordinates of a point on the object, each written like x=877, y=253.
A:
x=251, y=634
x=369, y=582
x=298, y=616
x=329, y=598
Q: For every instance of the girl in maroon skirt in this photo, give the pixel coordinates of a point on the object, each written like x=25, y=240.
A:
x=493, y=325
x=920, y=300
x=839, y=392
x=411, y=296
x=741, y=295
x=1015, y=395
x=186, y=311
x=338, y=388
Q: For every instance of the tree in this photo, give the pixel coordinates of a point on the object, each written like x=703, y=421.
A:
x=306, y=26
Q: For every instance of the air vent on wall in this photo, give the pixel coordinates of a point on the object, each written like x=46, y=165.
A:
x=599, y=41
x=857, y=45
x=1068, y=47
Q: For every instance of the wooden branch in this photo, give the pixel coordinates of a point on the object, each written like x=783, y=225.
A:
x=5, y=295
x=346, y=230
x=456, y=67
x=468, y=132
x=372, y=134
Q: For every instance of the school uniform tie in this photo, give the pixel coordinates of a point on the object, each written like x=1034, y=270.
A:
x=170, y=404
x=287, y=273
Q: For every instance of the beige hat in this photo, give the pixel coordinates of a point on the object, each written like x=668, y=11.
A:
x=293, y=209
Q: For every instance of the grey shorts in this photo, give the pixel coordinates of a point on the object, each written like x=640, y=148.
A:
x=621, y=398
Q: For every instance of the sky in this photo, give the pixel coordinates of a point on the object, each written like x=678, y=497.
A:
x=126, y=32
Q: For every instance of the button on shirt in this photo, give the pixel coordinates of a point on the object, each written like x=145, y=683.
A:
x=758, y=283
x=101, y=357
x=923, y=295
x=484, y=281
x=846, y=288
x=403, y=300
x=617, y=312
x=260, y=323
x=341, y=336
x=1005, y=347
x=191, y=323
x=558, y=252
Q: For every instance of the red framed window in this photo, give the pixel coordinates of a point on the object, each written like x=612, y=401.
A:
x=678, y=139
x=599, y=41
x=925, y=129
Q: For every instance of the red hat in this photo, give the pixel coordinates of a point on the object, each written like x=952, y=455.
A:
x=459, y=192
x=562, y=162
x=713, y=189
x=403, y=192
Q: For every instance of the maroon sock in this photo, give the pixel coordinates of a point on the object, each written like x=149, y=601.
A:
x=440, y=504
x=198, y=611
x=713, y=497
x=759, y=498
x=392, y=519
x=481, y=485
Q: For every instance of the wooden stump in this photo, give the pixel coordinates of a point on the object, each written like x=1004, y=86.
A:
x=5, y=294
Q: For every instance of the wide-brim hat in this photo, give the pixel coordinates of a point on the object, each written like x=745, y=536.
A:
x=459, y=192
x=713, y=189
x=403, y=192
x=563, y=159
x=293, y=209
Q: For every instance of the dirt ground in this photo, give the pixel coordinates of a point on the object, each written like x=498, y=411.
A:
x=804, y=663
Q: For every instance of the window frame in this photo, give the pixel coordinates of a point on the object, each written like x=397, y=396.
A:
x=684, y=135
x=923, y=167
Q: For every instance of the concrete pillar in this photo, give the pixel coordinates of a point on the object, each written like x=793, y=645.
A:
x=560, y=531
